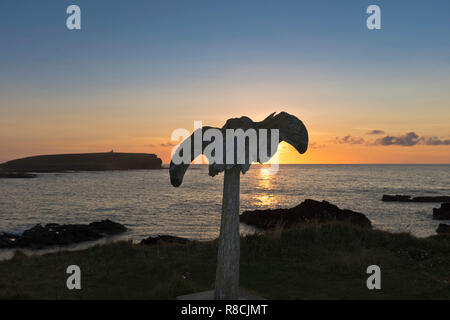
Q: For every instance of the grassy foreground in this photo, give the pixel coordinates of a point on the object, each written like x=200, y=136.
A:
x=326, y=261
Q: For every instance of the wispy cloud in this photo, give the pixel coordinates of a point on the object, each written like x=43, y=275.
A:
x=168, y=144
x=348, y=139
x=375, y=131
x=164, y=144
x=316, y=145
x=435, y=141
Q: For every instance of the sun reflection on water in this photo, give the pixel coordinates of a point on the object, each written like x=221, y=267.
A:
x=265, y=196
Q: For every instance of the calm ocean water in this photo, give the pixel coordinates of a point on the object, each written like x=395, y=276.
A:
x=145, y=201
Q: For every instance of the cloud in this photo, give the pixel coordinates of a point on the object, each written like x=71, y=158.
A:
x=168, y=144
x=315, y=145
x=435, y=141
x=408, y=140
x=165, y=144
x=348, y=139
x=375, y=132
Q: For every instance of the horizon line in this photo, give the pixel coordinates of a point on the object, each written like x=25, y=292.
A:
x=333, y=164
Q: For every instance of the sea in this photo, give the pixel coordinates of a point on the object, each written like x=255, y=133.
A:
x=148, y=205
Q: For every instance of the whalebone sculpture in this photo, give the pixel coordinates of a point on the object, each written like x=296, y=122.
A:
x=290, y=130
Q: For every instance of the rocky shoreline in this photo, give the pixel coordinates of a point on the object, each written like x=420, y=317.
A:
x=443, y=229
x=163, y=239
x=17, y=175
x=53, y=234
x=407, y=198
x=307, y=211
x=442, y=213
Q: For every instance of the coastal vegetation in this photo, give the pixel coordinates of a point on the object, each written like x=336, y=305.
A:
x=313, y=261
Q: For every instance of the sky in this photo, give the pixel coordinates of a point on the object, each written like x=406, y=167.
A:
x=138, y=70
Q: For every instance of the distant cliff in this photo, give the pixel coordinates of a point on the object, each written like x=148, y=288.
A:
x=83, y=162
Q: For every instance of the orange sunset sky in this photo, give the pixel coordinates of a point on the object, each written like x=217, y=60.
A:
x=365, y=96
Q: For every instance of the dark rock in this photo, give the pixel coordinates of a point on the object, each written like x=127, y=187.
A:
x=40, y=237
x=17, y=175
x=164, y=238
x=401, y=198
x=431, y=199
x=308, y=211
x=405, y=198
x=51, y=225
x=443, y=228
x=442, y=213
x=107, y=227
x=53, y=234
x=8, y=240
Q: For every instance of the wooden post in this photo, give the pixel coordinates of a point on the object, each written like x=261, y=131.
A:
x=227, y=272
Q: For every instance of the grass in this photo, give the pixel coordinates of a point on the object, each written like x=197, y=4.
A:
x=327, y=261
